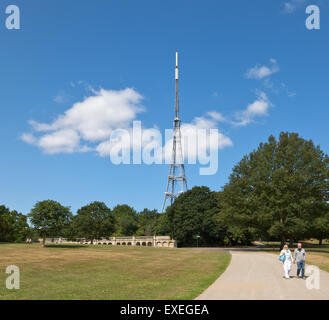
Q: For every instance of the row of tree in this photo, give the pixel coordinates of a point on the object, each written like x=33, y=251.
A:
x=278, y=192
x=93, y=221
x=13, y=226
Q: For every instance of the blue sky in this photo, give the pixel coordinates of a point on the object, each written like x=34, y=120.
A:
x=234, y=55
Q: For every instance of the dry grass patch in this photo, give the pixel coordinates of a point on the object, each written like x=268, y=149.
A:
x=319, y=259
x=106, y=272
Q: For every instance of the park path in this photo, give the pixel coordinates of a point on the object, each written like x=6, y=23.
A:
x=259, y=276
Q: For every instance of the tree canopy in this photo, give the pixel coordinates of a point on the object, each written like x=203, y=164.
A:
x=94, y=221
x=278, y=190
x=194, y=214
x=50, y=218
x=147, y=222
x=13, y=226
x=127, y=220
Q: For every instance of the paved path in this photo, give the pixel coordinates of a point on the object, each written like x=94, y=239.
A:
x=259, y=276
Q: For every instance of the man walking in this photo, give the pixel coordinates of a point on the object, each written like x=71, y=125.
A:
x=299, y=258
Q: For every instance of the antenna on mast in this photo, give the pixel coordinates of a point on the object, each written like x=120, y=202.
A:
x=177, y=183
x=176, y=98
x=176, y=70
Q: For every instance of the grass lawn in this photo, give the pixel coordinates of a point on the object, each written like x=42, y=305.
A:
x=109, y=272
x=320, y=259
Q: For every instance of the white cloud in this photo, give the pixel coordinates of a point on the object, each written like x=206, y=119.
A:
x=289, y=7
x=209, y=121
x=28, y=138
x=262, y=71
x=88, y=126
x=256, y=109
x=292, y=5
x=217, y=116
x=60, y=141
x=91, y=120
x=163, y=149
x=292, y=94
x=60, y=98
x=197, y=144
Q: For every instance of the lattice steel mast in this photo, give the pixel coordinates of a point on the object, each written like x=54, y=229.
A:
x=177, y=183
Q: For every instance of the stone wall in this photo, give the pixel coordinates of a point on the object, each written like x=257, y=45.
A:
x=150, y=241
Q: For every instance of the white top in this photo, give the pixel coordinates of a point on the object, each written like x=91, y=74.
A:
x=287, y=253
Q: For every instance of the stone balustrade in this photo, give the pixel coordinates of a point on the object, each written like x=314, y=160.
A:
x=149, y=241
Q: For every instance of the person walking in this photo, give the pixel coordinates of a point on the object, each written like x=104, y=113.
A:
x=299, y=258
x=286, y=258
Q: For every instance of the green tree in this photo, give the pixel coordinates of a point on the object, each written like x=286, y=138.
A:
x=320, y=228
x=18, y=227
x=233, y=234
x=4, y=227
x=13, y=226
x=194, y=213
x=127, y=220
x=94, y=221
x=162, y=226
x=147, y=222
x=49, y=218
x=279, y=189
x=71, y=231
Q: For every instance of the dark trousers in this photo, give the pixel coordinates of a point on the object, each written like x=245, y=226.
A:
x=301, y=266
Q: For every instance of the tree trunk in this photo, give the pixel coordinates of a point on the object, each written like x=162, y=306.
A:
x=44, y=241
x=320, y=242
x=283, y=241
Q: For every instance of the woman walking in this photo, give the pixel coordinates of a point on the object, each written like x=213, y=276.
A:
x=286, y=258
